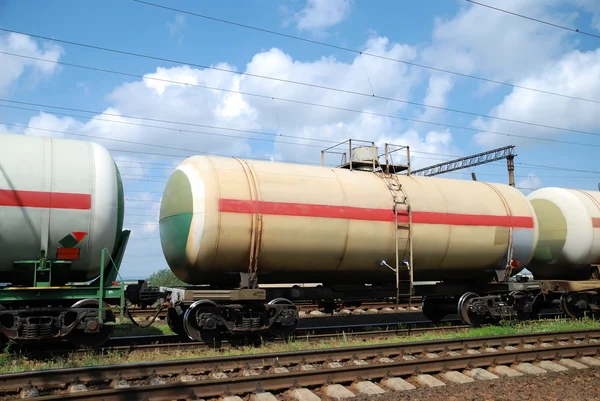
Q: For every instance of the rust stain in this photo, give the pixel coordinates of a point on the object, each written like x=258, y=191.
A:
x=596, y=222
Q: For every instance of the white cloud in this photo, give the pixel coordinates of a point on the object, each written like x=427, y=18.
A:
x=575, y=74
x=591, y=6
x=176, y=27
x=322, y=14
x=12, y=68
x=438, y=90
x=504, y=46
x=189, y=105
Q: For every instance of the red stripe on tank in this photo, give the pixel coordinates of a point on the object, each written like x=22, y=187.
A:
x=368, y=214
x=49, y=200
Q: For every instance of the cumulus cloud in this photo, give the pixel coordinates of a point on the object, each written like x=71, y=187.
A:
x=13, y=68
x=322, y=14
x=575, y=74
x=504, y=46
x=171, y=95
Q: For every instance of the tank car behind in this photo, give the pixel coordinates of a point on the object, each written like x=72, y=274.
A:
x=569, y=243
x=61, y=222
x=567, y=257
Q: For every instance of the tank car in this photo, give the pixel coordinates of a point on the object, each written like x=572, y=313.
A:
x=567, y=257
x=360, y=229
x=565, y=264
x=61, y=222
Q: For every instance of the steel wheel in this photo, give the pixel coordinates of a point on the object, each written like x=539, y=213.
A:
x=92, y=340
x=573, y=305
x=464, y=313
x=279, y=330
x=175, y=323
x=190, y=325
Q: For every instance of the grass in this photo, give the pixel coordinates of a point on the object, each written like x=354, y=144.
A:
x=128, y=329
x=11, y=362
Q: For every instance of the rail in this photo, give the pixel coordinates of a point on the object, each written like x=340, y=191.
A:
x=207, y=378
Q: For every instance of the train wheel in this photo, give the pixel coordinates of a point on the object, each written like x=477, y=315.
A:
x=574, y=305
x=80, y=339
x=464, y=312
x=280, y=330
x=536, y=307
x=431, y=310
x=212, y=337
x=175, y=323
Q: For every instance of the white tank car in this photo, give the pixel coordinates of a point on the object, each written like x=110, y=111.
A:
x=57, y=193
x=302, y=223
x=569, y=233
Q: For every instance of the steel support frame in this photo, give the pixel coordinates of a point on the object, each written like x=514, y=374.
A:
x=101, y=289
x=506, y=152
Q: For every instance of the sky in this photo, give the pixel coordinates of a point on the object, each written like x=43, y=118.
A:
x=444, y=78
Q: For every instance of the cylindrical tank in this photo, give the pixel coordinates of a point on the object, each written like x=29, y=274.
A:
x=569, y=233
x=52, y=191
x=317, y=224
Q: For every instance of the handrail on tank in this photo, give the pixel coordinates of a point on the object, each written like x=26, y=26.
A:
x=376, y=163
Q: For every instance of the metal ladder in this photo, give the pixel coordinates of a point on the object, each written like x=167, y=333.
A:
x=402, y=207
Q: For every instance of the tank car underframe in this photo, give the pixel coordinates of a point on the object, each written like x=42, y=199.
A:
x=477, y=304
x=71, y=313
x=238, y=315
x=83, y=313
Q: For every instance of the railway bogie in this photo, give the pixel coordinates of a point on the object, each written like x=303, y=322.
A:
x=236, y=315
x=510, y=301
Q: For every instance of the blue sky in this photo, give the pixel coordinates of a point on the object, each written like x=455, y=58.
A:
x=454, y=35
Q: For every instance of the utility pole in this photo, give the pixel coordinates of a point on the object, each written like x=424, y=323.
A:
x=510, y=164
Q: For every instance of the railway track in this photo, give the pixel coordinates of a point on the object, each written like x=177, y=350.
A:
x=310, y=375
x=174, y=342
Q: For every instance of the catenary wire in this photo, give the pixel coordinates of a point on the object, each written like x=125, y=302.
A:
x=534, y=19
x=221, y=20
x=533, y=166
x=340, y=90
x=295, y=137
x=263, y=97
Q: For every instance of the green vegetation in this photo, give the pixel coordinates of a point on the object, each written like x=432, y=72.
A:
x=128, y=329
x=164, y=278
x=12, y=362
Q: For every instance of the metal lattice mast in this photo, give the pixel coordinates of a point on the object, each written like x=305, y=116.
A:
x=506, y=152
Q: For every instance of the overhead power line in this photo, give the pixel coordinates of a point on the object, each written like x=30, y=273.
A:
x=291, y=136
x=533, y=19
x=221, y=20
x=339, y=90
x=532, y=166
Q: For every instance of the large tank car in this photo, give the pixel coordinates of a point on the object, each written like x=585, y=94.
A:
x=61, y=239
x=220, y=217
x=54, y=194
x=569, y=230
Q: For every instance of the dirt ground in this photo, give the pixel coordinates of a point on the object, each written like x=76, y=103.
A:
x=564, y=386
